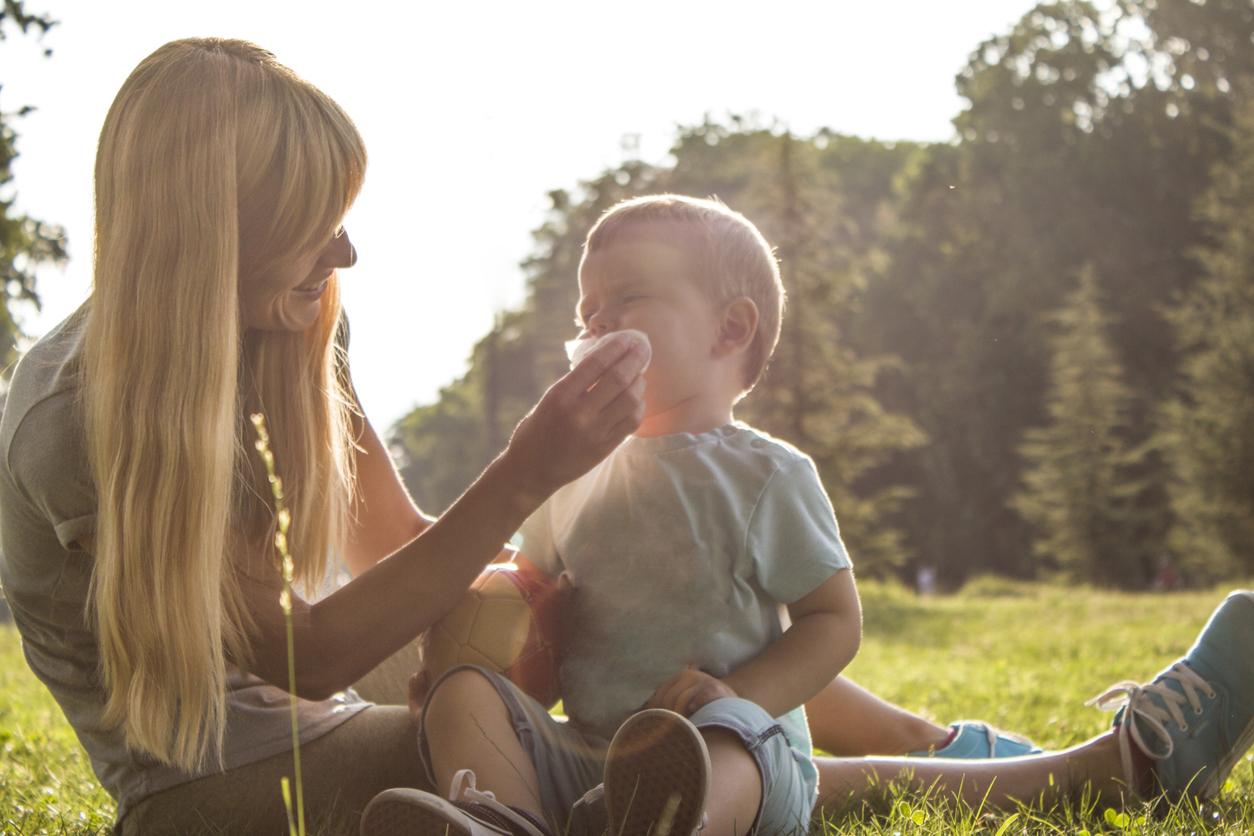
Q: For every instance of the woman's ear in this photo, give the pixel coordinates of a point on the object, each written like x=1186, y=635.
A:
x=738, y=326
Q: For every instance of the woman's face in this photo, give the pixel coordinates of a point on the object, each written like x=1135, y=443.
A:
x=289, y=298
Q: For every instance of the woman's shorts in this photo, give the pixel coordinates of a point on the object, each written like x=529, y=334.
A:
x=569, y=761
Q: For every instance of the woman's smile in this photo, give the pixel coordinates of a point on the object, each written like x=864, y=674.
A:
x=315, y=287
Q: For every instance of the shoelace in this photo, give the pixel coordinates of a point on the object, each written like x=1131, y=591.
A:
x=1143, y=709
x=992, y=740
x=464, y=789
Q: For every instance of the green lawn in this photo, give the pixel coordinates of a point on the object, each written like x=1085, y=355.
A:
x=1023, y=657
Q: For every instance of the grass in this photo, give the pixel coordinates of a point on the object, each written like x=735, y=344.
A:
x=1023, y=657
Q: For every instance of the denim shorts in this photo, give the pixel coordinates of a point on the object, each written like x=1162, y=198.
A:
x=569, y=761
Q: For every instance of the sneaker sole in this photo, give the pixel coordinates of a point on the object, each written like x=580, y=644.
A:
x=657, y=776
x=1212, y=786
x=1215, y=783
x=405, y=812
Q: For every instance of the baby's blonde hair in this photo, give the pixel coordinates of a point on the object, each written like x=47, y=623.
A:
x=215, y=164
x=729, y=257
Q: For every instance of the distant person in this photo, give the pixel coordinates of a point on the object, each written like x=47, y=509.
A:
x=925, y=580
x=1166, y=579
x=683, y=688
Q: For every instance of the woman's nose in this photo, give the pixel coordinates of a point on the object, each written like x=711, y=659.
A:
x=339, y=251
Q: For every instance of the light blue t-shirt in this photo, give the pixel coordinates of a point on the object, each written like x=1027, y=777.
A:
x=682, y=549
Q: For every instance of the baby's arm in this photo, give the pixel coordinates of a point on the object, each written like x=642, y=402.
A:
x=824, y=637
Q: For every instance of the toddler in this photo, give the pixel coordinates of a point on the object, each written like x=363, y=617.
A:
x=712, y=595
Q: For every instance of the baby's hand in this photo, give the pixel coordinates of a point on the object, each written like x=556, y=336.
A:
x=688, y=690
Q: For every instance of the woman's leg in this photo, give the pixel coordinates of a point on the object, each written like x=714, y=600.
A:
x=848, y=720
x=341, y=771
x=1179, y=735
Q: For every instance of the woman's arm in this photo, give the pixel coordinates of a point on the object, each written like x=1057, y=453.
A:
x=576, y=424
x=385, y=518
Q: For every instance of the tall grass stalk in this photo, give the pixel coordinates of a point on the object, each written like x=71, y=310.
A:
x=284, y=520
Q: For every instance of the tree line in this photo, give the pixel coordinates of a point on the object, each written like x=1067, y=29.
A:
x=1028, y=351
x=25, y=242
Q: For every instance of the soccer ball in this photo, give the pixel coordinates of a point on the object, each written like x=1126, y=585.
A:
x=509, y=621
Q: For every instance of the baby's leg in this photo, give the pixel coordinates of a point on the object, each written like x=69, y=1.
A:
x=467, y=726
x=1043, y=779
x=846, y=719
x=735, y=784
x=759, y=780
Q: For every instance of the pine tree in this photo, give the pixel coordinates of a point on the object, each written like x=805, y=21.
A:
x=1079, y=488
x=818, y=391
x=1209, y=426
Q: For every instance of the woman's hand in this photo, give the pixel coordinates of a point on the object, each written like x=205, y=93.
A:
x=340, y=638
x=688, y=690
x=580, y=419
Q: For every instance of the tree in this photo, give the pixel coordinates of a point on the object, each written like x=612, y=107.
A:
x=1080, y=487
x=1069, y=153
x=922, y=280
x=818, y=391
x=1209, y=425
x=24, y=241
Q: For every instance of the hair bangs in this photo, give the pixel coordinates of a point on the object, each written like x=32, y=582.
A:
x=325, y=170
x=302, y=165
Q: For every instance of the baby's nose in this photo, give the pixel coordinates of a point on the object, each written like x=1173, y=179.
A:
x=599, y=325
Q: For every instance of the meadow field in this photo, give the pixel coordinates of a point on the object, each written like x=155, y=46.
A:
x=1024, y=657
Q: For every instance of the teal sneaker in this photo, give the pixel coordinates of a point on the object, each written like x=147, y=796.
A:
x=975, y=740
x=1196, y=719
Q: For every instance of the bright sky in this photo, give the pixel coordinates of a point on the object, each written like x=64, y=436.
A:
x=473, y=112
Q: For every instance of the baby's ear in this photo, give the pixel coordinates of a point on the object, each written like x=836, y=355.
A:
x=738, y=326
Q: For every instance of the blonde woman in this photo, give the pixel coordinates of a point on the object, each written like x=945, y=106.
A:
x=137, y=522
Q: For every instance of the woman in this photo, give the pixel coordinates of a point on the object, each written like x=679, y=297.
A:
x=133, y=493
x=135, y=518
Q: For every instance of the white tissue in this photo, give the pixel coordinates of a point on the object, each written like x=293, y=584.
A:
x=578, y=349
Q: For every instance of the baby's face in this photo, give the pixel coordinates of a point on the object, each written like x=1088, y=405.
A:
x=648, y=286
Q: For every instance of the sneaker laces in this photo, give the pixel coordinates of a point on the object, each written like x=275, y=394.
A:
x=992, y=740
x=1142, y=709
x=464, y=790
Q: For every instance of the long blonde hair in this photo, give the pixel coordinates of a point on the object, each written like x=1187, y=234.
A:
x=216, y=164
